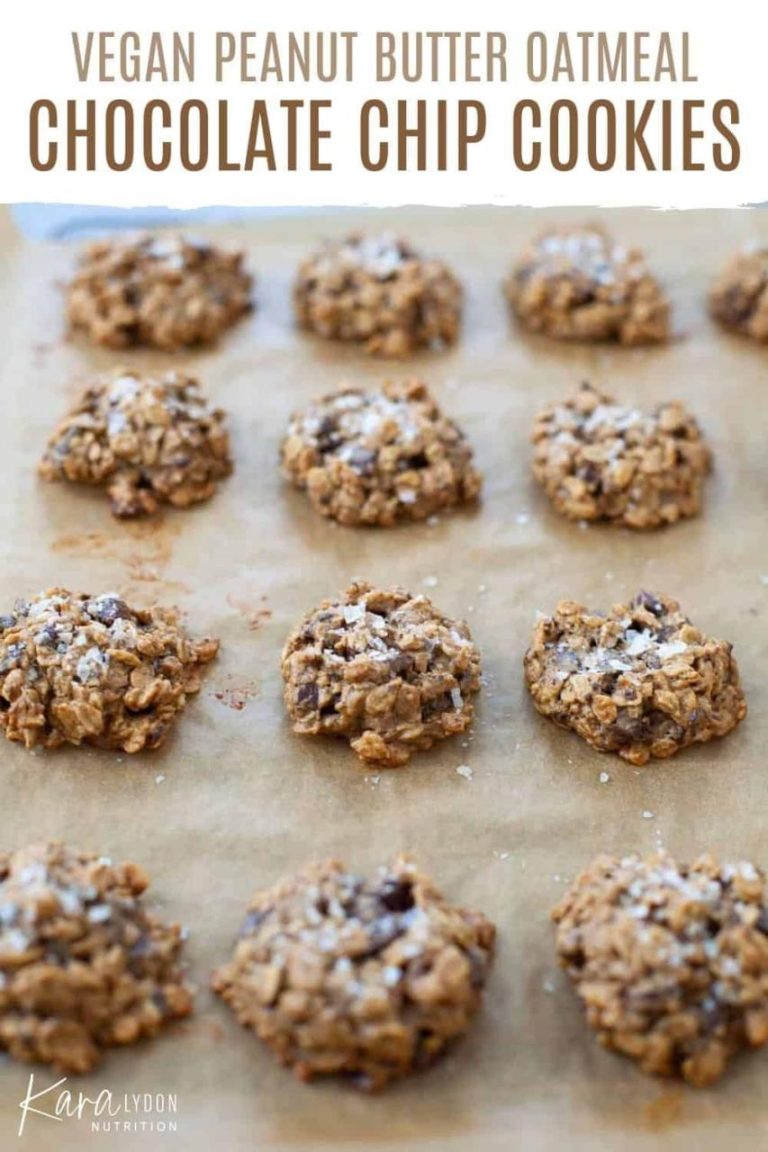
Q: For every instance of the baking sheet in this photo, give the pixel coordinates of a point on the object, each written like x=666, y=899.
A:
x=235, y=800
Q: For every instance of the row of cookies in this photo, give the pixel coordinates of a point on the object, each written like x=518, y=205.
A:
x=383, y=669
x=381, y=294
x=371, y=978
x=380, y=456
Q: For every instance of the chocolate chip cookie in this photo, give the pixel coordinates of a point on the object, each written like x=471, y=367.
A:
x=639, y=680
x=669, y=960
x=382, y=669
x=84, y=966
x=379, y=457
x=364, y=978
x=598, y=460
x=147, y=440
x=377, y=291
x=79, y=669
x=578, y=284
x=160, y=291
x=739, y=296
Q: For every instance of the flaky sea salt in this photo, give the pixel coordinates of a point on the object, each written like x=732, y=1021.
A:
x=465, y=771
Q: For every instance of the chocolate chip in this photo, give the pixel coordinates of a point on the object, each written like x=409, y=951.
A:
x=107, y=609
x=396, y=895
x=649, y=602
x=307, y=696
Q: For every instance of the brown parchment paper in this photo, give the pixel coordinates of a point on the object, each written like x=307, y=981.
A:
x=236, y=800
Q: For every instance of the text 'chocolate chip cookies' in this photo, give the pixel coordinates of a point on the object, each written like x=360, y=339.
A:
x=670, y=961
x=379, y=457
x=79, y=669
x=364, y=978
x=382, y=669
x=148, y=441
x=640, y=680
x=158, y=291
x=378, y=292
x=84, y=966
x=598, y=460
x=577, y=284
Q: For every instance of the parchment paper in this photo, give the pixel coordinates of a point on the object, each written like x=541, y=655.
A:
x=236, y=800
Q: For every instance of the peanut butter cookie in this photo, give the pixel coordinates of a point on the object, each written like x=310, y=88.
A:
x=367, y=979
x=597, y=460
x=385, y=670
x=670, y=961
x=83, y=965
x=79, y=669
x=378, y=457
x=739, y=296
x=379, y=292
x=639, y=680
x=148, y=441
x=160, y=291
x=577, y=284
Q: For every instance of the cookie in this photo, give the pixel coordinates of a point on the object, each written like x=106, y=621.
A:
x=84, y=966
x=147, y=440
x=577, y=284
x=639, y=680
x=597, y=460
x=346, y=976
x=79, y=669
x=379, y=457
x=739, y=296
x=669, y=960
x=378, y=292
x=382, y=669
x=159, y=291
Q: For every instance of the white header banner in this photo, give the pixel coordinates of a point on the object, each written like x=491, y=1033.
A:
x=345, y=103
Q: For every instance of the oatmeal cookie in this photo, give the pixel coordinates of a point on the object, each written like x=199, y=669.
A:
x=577, y=284
x=597, y=460
x=149, y=441
x=379, y=292
x=739, y=296
x=79, y=669
x=639, y=680
x=670, y=961
x=83, y=965
x=369, y=979
x=378, y=457
x=383, y=669
x=160, y=291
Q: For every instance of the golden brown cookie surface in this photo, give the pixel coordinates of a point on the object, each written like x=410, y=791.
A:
x=378, y=457
x=670, y=961
x=147, y=440
x=377, y=291
x=160, y=291
x=84, y=966
x=364, y=978
x=598, y=460
x=79, y=669
x=739, y=296
x=577, y=284
x=639, y=680
x=382, y=669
